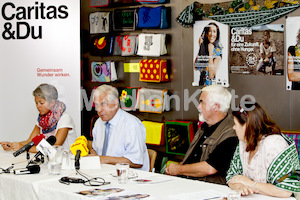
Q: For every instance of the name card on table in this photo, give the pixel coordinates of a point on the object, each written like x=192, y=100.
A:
x=88, y=162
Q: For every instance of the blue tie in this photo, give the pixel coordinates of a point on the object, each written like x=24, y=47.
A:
x=106, y=138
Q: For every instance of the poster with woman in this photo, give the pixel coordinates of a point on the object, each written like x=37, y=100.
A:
x=210, y=62
x=292, y=39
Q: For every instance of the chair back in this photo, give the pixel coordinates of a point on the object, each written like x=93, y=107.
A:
x=152, y=156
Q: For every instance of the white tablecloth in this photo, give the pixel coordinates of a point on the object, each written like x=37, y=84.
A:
x=43, y=186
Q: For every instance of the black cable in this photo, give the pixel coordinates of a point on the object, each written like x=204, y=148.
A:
x=87, y=182
x=6, y=170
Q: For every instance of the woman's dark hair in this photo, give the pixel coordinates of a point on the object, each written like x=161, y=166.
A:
x=258, y=124
x=205, y=43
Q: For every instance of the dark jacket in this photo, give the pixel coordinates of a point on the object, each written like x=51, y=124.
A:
x=223, y=131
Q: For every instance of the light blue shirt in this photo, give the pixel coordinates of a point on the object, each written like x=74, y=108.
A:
x=127, y=138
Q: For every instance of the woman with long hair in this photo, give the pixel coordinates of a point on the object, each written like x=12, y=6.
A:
x=209, y=55
x=264, y=159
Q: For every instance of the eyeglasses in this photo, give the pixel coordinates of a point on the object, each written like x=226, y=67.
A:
x=131, y=175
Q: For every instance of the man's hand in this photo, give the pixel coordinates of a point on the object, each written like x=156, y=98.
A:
x=173, y=169
x=92, y=153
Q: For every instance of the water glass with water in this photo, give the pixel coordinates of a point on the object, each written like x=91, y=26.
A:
x=55, y=163
x=122, y=172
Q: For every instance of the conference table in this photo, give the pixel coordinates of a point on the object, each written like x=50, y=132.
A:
x=44, y=186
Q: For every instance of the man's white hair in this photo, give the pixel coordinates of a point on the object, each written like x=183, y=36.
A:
x=111, y=92
x=218, y=94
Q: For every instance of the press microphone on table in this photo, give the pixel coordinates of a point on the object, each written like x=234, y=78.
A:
x=79, y=148
x=31, y=169
x=51, y=140
x=35, y=141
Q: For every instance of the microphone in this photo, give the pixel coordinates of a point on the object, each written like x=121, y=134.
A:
x=32, y=169
x=79, y=148
x=35, y=141
x=51, y=140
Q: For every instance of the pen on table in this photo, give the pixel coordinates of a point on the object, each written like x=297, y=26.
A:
x=211, y=198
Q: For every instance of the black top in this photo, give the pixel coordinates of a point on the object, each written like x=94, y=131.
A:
x=221, y=156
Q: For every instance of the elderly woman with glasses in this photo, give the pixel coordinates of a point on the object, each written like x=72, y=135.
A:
x=265, y=159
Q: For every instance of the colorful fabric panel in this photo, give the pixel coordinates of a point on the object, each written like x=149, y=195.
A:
x=155, y=133
x=118, y=45
x=103, y=71
x=99, y=3
x=149, y=18
x=150, y=1
x=153, y=70
x=128, y=45
x=151, y=45
x=179, y=135
x=124, y=19
x=153, y=100
x=102, y=45
x=129, y=98
x=99, y=22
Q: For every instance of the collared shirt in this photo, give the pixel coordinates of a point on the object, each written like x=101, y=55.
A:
x=127, y=138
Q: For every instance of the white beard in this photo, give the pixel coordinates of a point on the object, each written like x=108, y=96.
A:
x=201, y=118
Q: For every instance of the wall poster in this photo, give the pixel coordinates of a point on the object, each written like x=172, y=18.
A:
x=40, y=43
x=292, y=53
x=257, y=50
x=210, y=61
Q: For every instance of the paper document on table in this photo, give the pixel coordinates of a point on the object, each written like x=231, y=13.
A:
x=264, y=197
x=201, y=195
x=153, y=179
x=7, y=154
x=114, y=194
x=97, y=192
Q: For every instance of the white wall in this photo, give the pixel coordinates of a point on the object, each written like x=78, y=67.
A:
x=20, y=59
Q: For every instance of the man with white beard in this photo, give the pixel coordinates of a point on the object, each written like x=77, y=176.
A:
x=209, y=155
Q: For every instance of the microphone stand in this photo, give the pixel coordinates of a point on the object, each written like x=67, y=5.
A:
x=37, y=160
x=27, y=155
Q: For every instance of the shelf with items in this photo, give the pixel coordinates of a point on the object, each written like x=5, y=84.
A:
x=130, y=19
x=107, y=28
x=150, y=45
x=124, y=3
